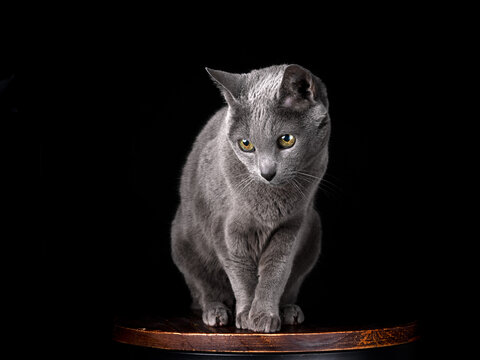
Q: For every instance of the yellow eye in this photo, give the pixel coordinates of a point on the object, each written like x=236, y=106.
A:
x=246, y=145
x=286, y=141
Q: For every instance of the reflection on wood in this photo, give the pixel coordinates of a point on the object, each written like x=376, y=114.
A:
x=190, y=334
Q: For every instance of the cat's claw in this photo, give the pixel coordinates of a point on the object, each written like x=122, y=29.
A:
x=291, y=314
x=266, y=322
x=216, y=314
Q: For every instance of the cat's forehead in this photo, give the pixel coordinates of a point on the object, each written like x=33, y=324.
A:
x=260, y=93
x=263, y=85
x=262, y=118
x=258, y=104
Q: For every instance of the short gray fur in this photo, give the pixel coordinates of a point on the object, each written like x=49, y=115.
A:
x=243, y=242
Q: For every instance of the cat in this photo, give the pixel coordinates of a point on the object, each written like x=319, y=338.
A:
x=246, y=232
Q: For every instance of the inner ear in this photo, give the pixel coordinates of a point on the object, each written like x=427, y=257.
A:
x=298, y=87
x=304, y=89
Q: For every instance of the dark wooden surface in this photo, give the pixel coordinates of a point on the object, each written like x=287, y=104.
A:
x=188, y=333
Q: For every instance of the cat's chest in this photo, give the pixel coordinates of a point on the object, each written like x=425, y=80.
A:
x=269, y=206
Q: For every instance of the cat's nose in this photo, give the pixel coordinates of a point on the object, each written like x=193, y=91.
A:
x=267, y=167
x=269, y=174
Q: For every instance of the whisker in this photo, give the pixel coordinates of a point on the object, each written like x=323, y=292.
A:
x=307, y=179
x=243, y=181
x=328, y=183
x=309, y=175
x=242, y=184
x=328, y=192
x=238, y=185
x=332, y=176
x=244, y=187
x=327, y=187
x=332, y=184
x=298, y=186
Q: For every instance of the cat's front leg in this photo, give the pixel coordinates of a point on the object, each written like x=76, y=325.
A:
x=274, y=269
x=241, y=270
x=242, y=274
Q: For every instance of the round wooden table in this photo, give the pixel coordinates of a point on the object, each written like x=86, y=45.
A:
x=186, y=337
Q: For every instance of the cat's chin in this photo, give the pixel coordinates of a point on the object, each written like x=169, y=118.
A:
x=273, y=183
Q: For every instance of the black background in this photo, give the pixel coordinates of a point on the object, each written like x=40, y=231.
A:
x=118, y=112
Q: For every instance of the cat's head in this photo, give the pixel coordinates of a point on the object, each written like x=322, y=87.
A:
x=277, y=119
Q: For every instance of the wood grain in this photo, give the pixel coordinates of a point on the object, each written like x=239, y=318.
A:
x=190, y=334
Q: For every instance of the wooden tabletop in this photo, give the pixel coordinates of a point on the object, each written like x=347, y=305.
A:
x=188, y=333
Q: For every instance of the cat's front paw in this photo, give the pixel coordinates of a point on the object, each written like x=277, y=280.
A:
x=241, y=320
x=216, y=314
x=291, y=314
x=266, y=322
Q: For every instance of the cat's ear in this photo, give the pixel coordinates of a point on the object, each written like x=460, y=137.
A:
x=300, y=89
x=230, y=84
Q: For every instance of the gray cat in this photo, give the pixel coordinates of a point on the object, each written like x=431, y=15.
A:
x=246, y=232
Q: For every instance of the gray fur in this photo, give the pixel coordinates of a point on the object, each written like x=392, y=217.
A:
x=241, y=240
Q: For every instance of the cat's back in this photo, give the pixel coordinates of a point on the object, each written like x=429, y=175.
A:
x=202, y=157
x=211, y=129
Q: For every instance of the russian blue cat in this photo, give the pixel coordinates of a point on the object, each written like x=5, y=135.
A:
x=246, y=233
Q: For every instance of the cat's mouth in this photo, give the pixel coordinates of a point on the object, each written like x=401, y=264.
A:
x=275, y=182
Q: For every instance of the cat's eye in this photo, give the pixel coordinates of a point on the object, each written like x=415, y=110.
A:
x=286, y=141
x=246, y=145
